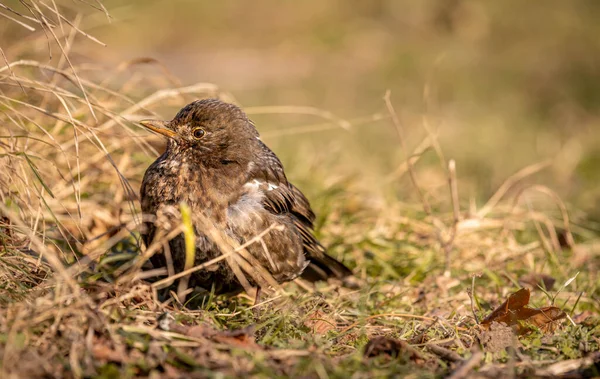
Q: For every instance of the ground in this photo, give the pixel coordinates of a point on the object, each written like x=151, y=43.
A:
x=446, y=283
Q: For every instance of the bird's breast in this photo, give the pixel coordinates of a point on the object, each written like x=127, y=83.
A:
x=164, y=182
x=209, y=190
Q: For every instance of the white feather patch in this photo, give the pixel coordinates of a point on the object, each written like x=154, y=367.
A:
x=256, y=184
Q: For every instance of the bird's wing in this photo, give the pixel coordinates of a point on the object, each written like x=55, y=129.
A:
x=282, y=197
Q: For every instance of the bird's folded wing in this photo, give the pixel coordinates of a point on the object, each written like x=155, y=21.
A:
x=282, y=197
x=285, y=198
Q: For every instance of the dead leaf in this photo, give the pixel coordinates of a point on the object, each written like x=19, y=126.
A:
x=536, y=280
x=515, y=312
x=320, y=322
x=546, y=317
x=503, y=313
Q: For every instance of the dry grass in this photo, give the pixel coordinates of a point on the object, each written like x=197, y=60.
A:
x=74, y=302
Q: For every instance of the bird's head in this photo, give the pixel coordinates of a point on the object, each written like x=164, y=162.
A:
x=210, y=128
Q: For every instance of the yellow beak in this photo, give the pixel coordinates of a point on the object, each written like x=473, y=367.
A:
x=159, y=127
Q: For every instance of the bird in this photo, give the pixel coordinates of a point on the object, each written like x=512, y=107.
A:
x=216, y=163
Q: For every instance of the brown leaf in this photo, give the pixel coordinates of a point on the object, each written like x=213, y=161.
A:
x=515, y=312
x=545, y=317
x=536, y=280
x=504, y=313
x=320, y=322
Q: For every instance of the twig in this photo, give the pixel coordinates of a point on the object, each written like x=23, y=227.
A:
x=60, y=16
x=559, y=203
x=419, y=338
x=19, y=14
x=471, y=293
x=454, y=190
x=464, y=370
x=167, y=281
x=571, y=365
x=509, y=183
x=411, y=171
x=30, y=28
x=65, y=55
x=51, y=256
x=456, y=211
x=413, y=159
x=444, y=353
x=14, y=77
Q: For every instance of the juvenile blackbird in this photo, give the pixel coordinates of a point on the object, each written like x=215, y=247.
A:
x=216, y=163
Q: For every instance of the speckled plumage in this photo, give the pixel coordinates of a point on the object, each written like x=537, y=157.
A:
x=231, y=177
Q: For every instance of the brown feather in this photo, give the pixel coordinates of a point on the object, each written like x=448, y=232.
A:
x=227, y=174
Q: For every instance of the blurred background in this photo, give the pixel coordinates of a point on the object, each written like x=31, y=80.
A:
x=503, y=84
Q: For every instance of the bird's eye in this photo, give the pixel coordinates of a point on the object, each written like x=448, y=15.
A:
x=198, y=133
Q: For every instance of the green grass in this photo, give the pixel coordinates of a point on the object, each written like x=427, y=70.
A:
x=69, y=183
x=403, y=295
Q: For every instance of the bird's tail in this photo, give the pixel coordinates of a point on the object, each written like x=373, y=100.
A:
x=322, y=267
